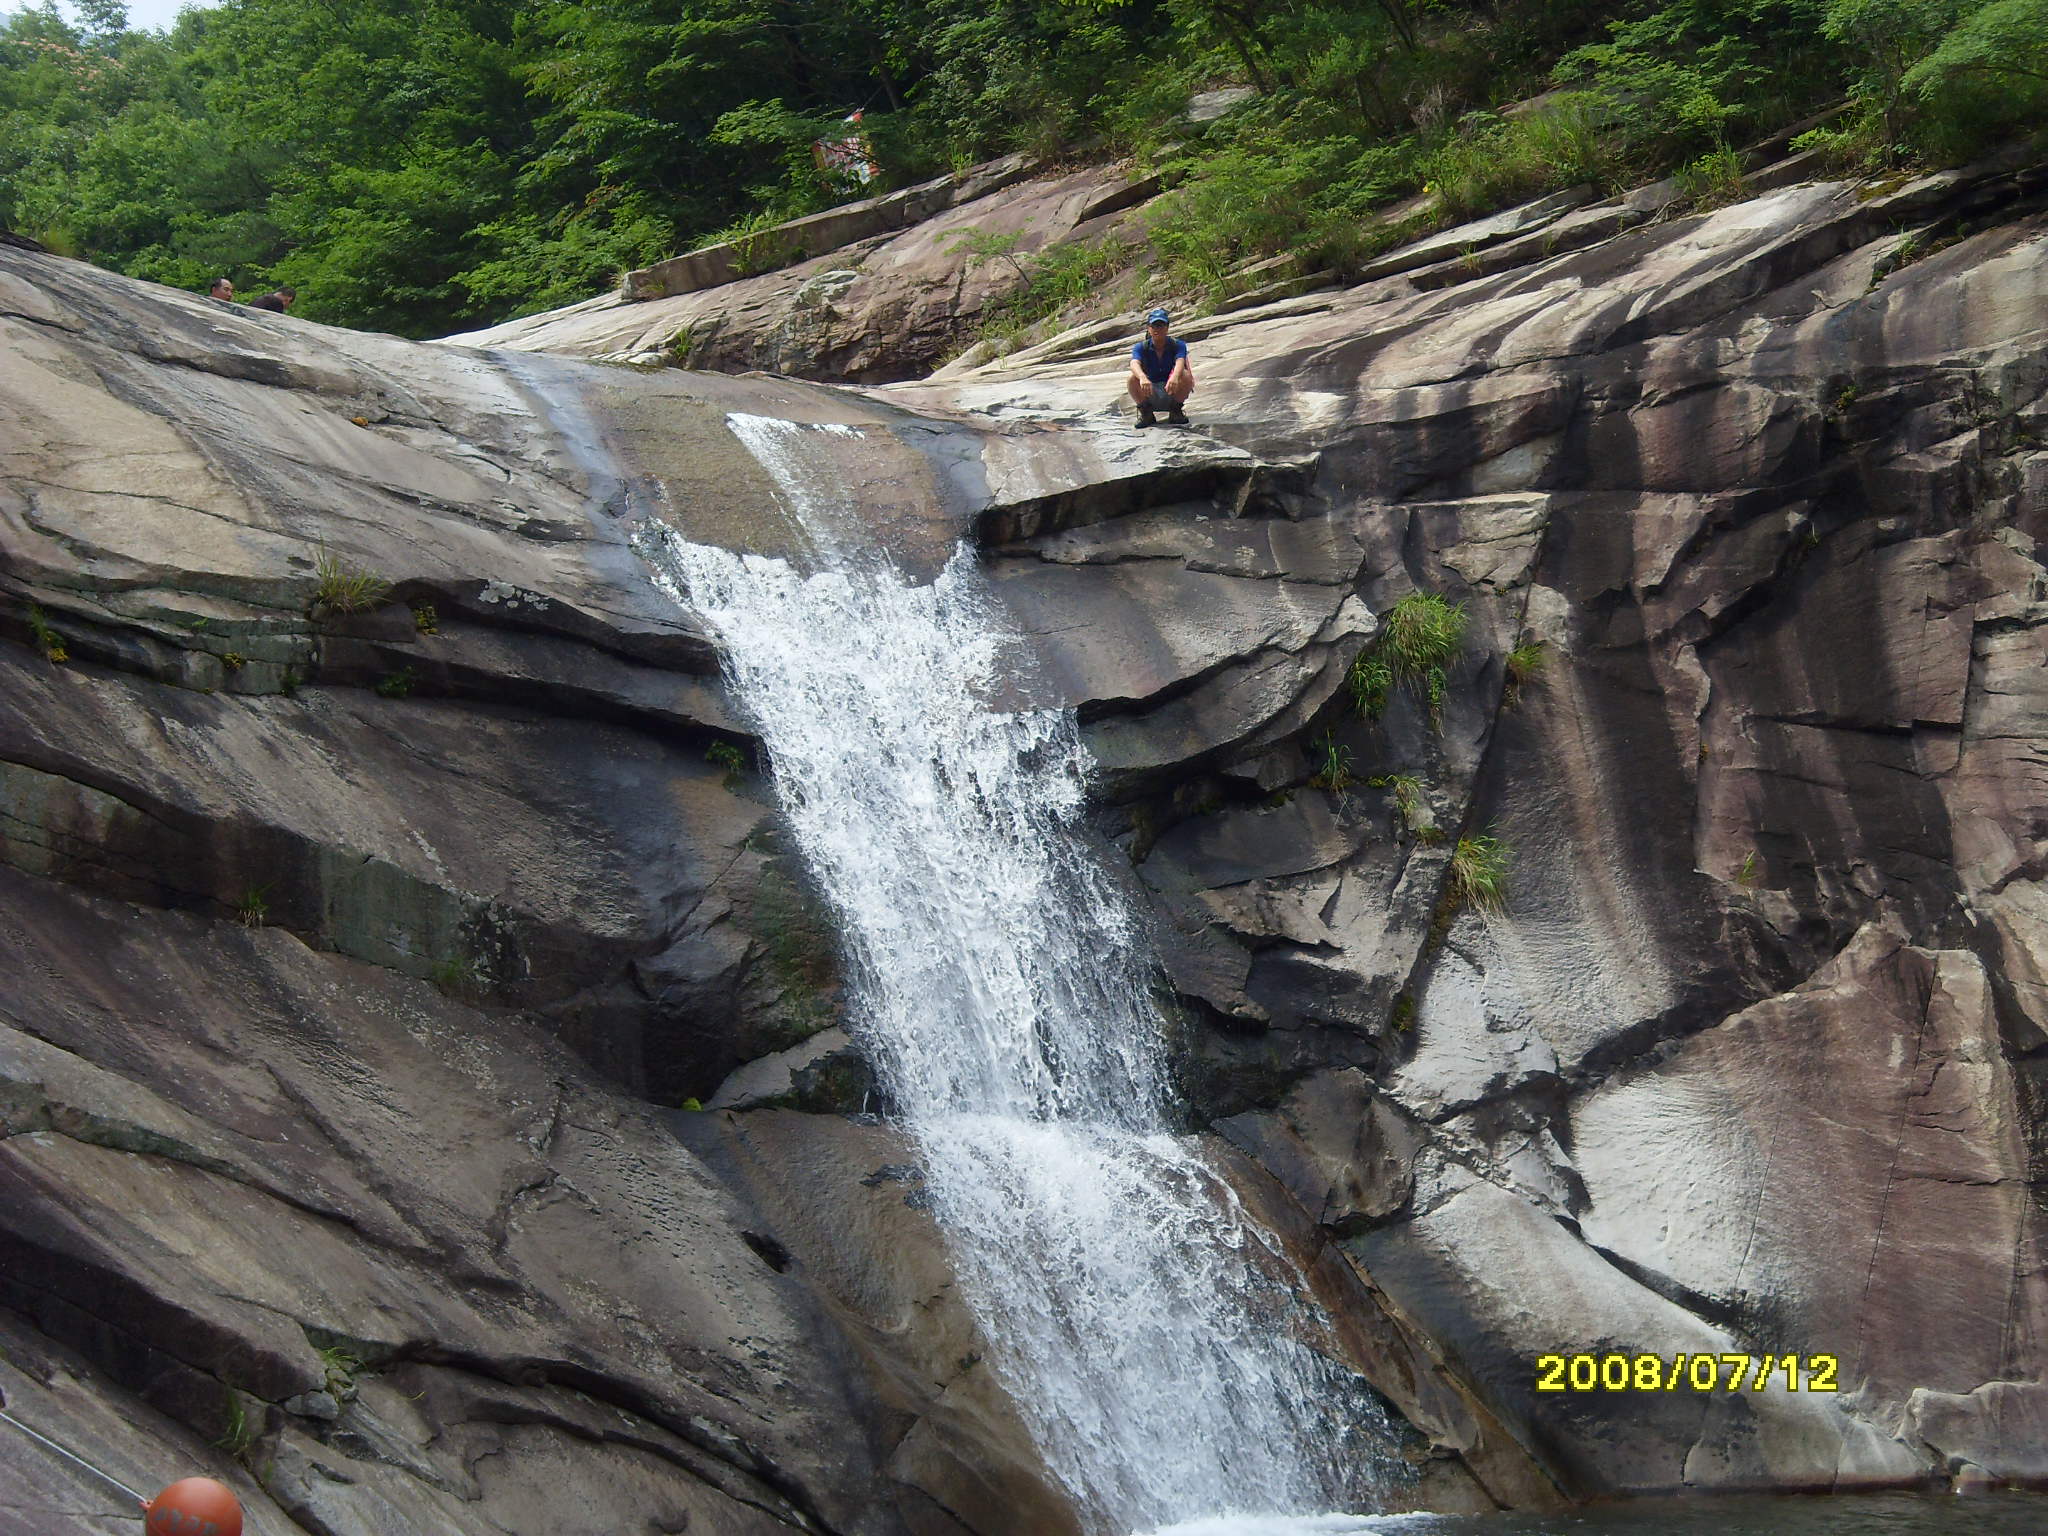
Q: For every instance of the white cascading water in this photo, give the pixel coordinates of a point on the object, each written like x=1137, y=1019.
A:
x=998, y=979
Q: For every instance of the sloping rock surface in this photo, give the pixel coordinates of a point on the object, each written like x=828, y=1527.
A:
x=886, y=305
x=1752, y=1061
x=352, y=948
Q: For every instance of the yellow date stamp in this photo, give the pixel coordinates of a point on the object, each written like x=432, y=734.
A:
x=1686, y=1373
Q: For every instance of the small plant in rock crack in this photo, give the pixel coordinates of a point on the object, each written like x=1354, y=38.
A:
x=1749, y=871
x=453, y=973
x=48, y=641
x=723, y=754
x=1420, y=637
x=399, y=684
x=341, y=1368
x=241, y=1430
x=1479, y=873
x=1409, y=805
x=1402, y=1015
x=424, y=620
x=343, y=588
x=234, y=661
x=1333, y=764
x=252, y=907
x=1524, y=664
x=1370, y=681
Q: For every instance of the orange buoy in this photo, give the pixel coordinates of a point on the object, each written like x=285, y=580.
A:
x=194, y=1506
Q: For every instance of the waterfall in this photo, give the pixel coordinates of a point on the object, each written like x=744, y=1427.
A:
x=998, y=979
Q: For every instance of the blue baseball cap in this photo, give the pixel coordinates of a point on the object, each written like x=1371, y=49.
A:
x=1158, y=317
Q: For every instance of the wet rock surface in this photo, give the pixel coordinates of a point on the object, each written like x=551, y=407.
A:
x=358, y=957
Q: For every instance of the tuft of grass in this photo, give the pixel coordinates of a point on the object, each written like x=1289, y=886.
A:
x=241, y=1432
x=343, y=588
x=1333, y=764
x=1714, y=180
x=1479, y=873
x=288, y=685
x=1525, y=663
x=1370, y=681
x=341, y=1368
x=252, y=907
x=48, y=641
x=1424, y=633
x=723, y=754
x=399, y=684
x=1406, y=789
x=1749, y=870
x=1420, y=637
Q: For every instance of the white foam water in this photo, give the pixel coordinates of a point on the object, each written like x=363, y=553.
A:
x=999, y=986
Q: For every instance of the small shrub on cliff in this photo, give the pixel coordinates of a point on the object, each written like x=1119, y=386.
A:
x=399, y=684
x=1479, y=873
x=48, y=641
x=1333, y=764
x=343, y=588
x=723, y=754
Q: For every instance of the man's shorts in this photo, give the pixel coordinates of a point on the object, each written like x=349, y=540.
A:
x=1160, y=401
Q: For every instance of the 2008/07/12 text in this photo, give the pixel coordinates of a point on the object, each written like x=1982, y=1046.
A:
x=1686, y=1372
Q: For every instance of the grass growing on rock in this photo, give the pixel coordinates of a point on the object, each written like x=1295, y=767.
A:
x=1409, y=803
x=341, y=1368
x=1333, y=764
x=1419, y=639
x=343, y=588
x=1525, y=663
x=1479, y=873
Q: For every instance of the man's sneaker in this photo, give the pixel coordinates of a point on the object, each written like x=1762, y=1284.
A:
x=1177, y=417
x=1146, y=418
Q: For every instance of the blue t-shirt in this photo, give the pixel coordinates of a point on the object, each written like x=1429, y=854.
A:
x=1159, y=367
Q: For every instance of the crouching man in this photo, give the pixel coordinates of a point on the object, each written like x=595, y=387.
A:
x=1160, y=377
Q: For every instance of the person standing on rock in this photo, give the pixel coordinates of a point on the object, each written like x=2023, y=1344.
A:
x=276, y=302
x=1160, y=375
x=223, y=290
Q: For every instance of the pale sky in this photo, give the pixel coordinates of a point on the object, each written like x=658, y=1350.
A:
x=143, y=15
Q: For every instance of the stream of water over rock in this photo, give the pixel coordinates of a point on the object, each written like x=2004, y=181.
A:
x=999, y=986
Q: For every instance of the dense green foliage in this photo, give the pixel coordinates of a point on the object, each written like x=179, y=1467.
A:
x=419, y=165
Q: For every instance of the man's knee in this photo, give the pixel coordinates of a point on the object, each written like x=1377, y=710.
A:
x=1140, y=389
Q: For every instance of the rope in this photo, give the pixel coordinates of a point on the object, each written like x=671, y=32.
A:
x=72, y=1456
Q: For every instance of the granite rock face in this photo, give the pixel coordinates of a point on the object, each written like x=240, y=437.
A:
x=360, y=955
x=878, y=307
